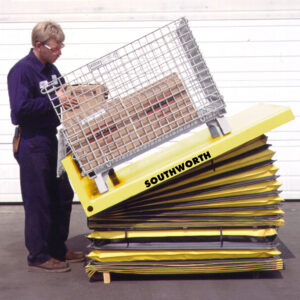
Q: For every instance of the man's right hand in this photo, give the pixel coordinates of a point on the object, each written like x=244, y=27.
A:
x=66, y=97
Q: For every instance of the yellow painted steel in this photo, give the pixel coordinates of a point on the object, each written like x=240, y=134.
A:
x=246, y=125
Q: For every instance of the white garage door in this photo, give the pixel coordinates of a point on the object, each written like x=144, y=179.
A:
x=252, y=51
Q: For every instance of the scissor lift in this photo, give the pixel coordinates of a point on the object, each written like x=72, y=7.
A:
x=218, y=215
x=205, y=202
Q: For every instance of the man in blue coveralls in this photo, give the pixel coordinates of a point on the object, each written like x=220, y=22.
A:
x=47, y=199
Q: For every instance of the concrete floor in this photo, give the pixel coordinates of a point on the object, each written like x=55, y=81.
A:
x=16, y=283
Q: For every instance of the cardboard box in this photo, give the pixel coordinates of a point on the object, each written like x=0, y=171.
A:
x=102, y=129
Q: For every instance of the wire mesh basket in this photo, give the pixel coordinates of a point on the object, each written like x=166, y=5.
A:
x=135, y=98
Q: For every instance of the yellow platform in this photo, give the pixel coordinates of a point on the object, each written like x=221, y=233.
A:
x=178, y=157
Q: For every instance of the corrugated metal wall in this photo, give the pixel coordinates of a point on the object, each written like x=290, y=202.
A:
x=252, y=48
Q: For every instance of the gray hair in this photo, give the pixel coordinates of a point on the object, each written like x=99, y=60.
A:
x=44, y=31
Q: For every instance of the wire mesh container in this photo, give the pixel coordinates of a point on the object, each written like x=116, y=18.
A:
x=136, y=98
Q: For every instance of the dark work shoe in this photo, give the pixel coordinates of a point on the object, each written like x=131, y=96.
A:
x=74, y=256
x=52, y=265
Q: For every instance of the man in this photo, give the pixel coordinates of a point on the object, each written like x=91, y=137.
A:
x=47, y=199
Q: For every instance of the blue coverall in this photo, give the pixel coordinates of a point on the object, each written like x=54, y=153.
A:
x=47, y=199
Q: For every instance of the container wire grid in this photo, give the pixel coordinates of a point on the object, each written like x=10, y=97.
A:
x=136, y=98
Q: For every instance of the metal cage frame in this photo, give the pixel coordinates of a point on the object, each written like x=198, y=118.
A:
x=136, y=98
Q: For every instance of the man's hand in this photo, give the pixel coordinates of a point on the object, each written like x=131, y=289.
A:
x=66, y=97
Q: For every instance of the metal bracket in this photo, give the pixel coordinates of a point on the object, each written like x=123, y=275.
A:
x=218, y=126
x=100, y=181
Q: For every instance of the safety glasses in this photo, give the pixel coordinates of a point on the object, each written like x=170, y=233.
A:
x=53, y=49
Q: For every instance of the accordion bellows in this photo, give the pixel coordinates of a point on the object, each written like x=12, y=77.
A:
x=216, y=218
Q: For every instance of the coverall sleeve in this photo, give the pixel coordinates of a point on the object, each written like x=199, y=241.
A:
x=25, y=100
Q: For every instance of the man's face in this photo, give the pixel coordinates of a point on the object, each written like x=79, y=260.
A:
x=49, y=51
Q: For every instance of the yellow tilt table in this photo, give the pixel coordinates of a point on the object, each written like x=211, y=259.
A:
x=178, y=157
